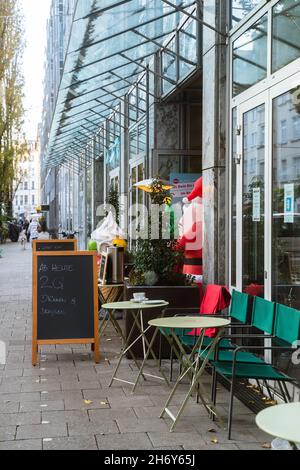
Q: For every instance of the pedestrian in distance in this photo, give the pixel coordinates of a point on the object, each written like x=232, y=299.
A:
x=26, y=229
x=33, y=229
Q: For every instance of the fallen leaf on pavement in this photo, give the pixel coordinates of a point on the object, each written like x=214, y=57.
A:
x=271, y=402
x=266, y=446
x=88, y=402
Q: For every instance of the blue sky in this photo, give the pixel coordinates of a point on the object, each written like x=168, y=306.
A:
x=36, y=13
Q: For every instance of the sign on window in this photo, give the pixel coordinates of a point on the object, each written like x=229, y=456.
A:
x=256, y=205
x=289, y=203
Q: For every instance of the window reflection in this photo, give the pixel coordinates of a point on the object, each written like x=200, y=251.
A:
x=286, y=199
x=234, y=206
x=250, y=57
x=169, y=66
x=89, y=197
x=241, y=8
x=187, y=47
x=253, y=202
x=286, y=33
x=179, y=164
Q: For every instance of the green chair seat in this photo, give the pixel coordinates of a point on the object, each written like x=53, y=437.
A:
x=242, y=356
x=249, y=371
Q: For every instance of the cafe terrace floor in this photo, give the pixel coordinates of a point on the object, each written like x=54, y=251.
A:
x=65, y=402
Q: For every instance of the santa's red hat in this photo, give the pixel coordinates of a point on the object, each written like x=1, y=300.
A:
x=197, y=191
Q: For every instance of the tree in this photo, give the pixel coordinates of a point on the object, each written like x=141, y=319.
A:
x=12, y=151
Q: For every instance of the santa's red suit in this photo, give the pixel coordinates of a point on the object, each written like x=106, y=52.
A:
x=190, y=229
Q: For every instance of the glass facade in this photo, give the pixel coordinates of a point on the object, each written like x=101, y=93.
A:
x=100, y=68
x=253, y=200
x=233, y=196
x=241, y=8
x=265, y=232
x=286, y=200
x=250, y=56
x=286, y=33
x=187, y=48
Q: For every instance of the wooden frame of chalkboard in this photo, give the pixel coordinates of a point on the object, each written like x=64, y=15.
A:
x=42, y=278
x=54, y=245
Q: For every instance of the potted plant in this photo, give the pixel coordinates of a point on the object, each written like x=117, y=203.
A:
x=156, y=270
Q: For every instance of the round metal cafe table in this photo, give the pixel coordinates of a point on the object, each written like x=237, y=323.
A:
x=136, y=311
x=281, y=421
x=193, y=362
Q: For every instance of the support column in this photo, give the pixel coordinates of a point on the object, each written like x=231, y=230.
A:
x=214, y=142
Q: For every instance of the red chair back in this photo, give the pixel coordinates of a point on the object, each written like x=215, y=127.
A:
x=216, y=299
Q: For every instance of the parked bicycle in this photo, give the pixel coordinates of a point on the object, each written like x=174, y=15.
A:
x=69, y=235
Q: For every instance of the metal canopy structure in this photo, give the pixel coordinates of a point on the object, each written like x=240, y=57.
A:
x=109, y=45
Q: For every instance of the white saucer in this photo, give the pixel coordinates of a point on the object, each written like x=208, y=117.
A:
x=138, y=301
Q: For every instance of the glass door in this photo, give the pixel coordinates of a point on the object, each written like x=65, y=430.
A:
x=251, y=196
x=285, y=108
x=265, y=195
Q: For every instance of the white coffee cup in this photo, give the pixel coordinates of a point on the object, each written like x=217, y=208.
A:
x=139, y=296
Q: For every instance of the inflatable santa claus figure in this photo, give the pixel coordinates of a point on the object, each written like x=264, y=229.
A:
x=190, y=230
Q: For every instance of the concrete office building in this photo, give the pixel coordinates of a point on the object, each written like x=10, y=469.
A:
x=194, y=87
x=27, y=192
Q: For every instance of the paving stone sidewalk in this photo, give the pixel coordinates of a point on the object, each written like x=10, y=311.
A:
x=65, y=402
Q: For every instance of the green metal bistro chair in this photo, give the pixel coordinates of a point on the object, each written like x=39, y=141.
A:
x=263, y=318
x=286, y=331
x=238, y=313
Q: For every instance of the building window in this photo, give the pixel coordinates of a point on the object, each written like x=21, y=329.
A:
x=252, y=167
x=296, y=127
x=283, y=132
x=241, y=8
x=286, y=36
x=33, y=200
x=26, y=200
x=16, y=201
x=21, y=200
x=297, y=166
x=262, y=136
x=253, y=115
x=250, y=56
x=253, y=139
x=32, y=185
x=26, y=186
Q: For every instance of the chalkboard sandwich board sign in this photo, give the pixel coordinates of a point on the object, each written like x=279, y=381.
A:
x=54, y=245
x=65, y=300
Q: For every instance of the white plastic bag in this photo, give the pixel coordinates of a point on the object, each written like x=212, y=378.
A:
x=280, y=444
x=107, y=232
